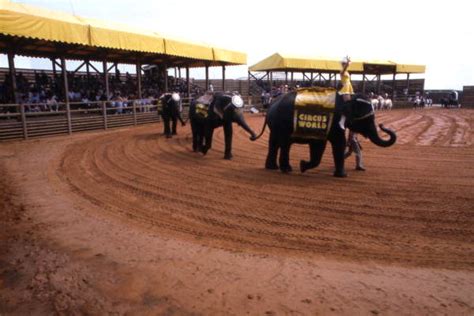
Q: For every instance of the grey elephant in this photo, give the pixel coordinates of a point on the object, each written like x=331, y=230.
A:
x=212, y=111
x=283, y=119
x=170, y=113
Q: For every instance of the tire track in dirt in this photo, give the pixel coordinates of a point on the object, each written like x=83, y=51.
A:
x=413, y=206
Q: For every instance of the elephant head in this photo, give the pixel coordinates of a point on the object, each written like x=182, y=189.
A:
x=230, y=108
x=170, y=101
x=362, y=121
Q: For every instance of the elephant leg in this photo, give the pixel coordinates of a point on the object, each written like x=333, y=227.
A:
x=228, y=140
x=338, y=147
x=208, y=133
x=271, y=162
x=166, y=125
x=316, y=150
x=201, y=132
x=174, y=120
x=194, y=132
x=285, y=146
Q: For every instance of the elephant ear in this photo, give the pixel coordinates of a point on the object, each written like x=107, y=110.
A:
x=361, y=108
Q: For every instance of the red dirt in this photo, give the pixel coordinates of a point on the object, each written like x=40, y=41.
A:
x=127, y=221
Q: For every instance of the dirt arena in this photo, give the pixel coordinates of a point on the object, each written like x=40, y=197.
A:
x=129, y=222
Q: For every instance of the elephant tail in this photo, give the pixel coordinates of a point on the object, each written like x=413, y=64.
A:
x=263, y=129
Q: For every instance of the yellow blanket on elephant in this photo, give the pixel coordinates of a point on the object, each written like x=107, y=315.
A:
x=202, y=110
x=314, y=112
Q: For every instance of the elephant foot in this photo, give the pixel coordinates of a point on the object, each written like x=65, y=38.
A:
x=340, y=174
x=271, y=166
x=168, y=136
x=303, y=166
x=286, y=169
x=228, y=156
x=204, y=150
x=359, y=168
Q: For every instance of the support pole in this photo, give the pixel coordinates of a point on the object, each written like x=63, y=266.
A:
x=55, y=88
x=139, y=80
x=286, y=77
x=408, y=84
x=207, y=78
x=188, y=83
x=378, y=84
x=66, y=95
x=104, y=113
x=394, y=85
x=165, y=75
x=248, y=85
x=11, y=66
x=88, y=74
x=292, y=77
x=54, y=66
x=106, y=79
x=223, y=78
x=363, y=83
x=268, y=81
x=134, y=108
x=23, y=121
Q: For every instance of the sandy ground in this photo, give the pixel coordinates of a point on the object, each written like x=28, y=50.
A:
x=129, y=222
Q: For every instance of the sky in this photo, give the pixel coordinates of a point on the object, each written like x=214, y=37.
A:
x=437, y=33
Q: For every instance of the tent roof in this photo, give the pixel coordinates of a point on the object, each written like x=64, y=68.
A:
x=280, y=62
x=45, y=33
x=32, y=22
x=283, y=62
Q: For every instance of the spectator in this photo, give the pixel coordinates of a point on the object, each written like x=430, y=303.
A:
x=52, y=102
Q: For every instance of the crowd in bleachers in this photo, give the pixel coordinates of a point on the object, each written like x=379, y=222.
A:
x=45, y=92
x=379, y=101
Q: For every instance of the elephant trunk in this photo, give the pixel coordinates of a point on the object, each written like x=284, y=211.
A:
x=239, y=118
x=375, y=138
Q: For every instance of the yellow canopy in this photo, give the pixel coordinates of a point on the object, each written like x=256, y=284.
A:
x=37, y=23
x=279, y=62
x=414, y=69
x=33, y=22
x=229, y=56
x=183, y=48
x=120, y=36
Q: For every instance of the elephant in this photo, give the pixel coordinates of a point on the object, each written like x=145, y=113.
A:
x=280, y=120
x=170, y=113
x=212, y=111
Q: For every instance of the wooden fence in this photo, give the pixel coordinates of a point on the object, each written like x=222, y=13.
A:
x=24, y=121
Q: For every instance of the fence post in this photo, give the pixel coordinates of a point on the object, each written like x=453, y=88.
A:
x=134, y=105
x=68, y=114
x=66, y=95
x=23, y=121
x=104, y=113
